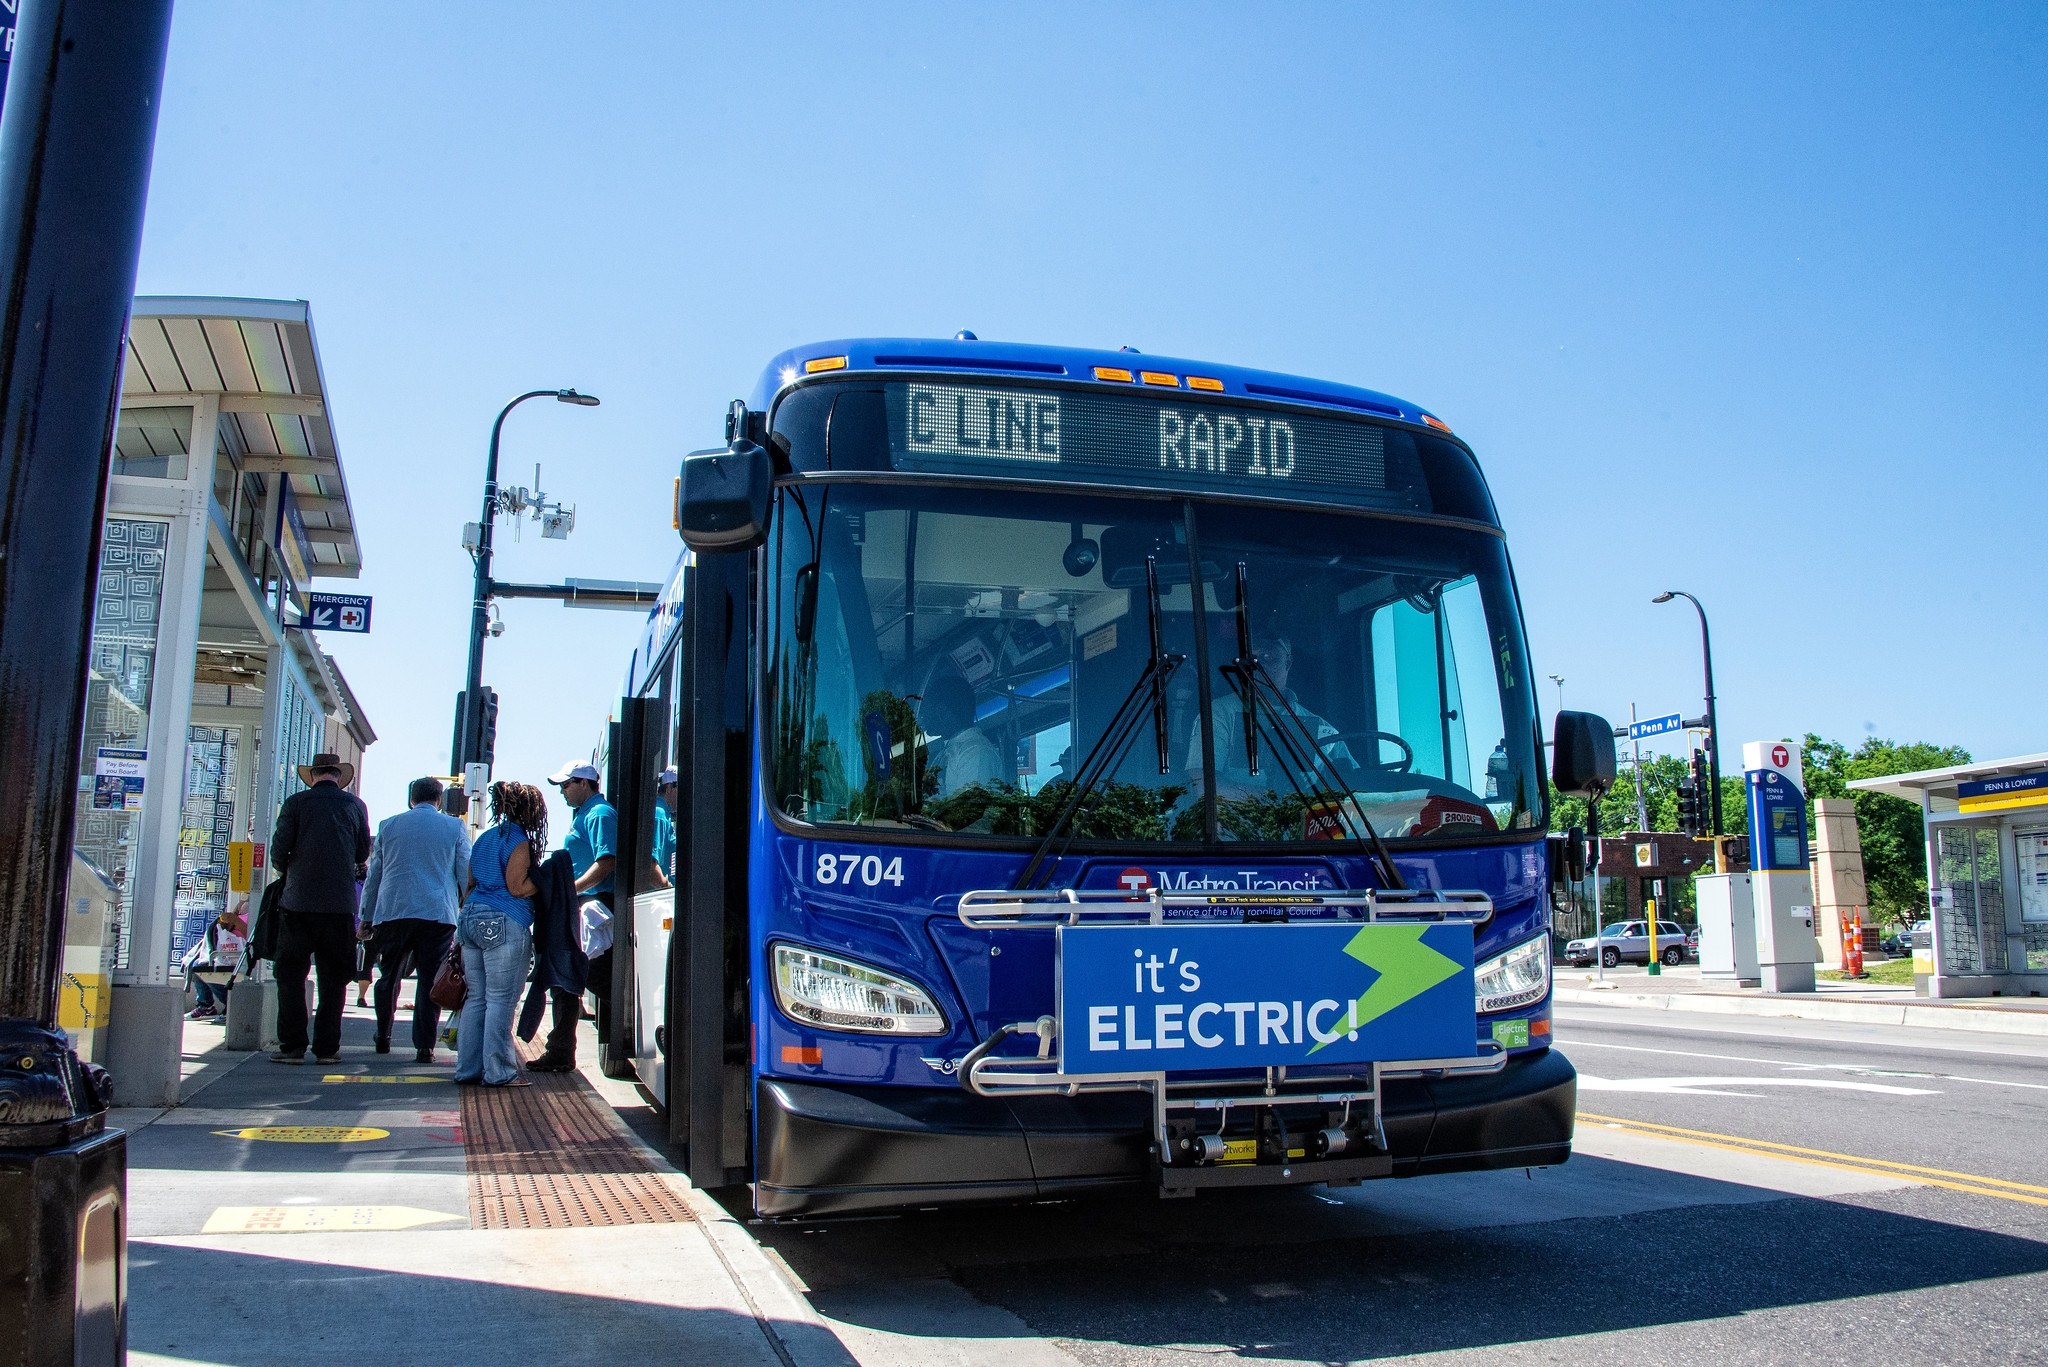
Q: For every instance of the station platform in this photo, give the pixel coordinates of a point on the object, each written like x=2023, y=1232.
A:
x=371, y=1211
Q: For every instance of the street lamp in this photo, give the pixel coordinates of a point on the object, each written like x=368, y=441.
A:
x=1713, y=725
x=480, y=604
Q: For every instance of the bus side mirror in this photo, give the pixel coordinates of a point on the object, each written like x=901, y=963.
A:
x=1582, y=755
x=723, y=505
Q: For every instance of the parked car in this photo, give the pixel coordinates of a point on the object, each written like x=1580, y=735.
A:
x=1692, y=943
x=1629, y=942
x=1899, y=943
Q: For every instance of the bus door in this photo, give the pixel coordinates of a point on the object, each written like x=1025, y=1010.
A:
x=648, y=908
x=707, y=1033
x=638, y=744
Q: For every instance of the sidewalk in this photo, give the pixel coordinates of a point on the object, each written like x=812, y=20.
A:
x=372, y=1212
x=1682, y=989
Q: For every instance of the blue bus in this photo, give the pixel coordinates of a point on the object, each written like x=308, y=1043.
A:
x=1092, y=769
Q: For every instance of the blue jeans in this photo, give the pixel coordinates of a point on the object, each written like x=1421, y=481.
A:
x=497, y=955
x=205, y=994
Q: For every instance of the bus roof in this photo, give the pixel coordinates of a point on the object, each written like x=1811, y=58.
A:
x=967, y=355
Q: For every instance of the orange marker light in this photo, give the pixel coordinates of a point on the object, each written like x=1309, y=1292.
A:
x=824, y=363
x=1159, y=377
x=1204, y=382
x=676, y=504
x=1539, y=1027
x=1437, y=424
x=803, y=1053
x=1110, y=372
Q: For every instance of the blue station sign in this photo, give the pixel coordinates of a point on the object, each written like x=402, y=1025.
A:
x=338, y=612
x=1180, y=997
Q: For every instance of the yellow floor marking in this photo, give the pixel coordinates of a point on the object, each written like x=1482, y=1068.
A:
x=383, y=1077
x=308, y=1134
x=315, y=1219
x=1823, y=1158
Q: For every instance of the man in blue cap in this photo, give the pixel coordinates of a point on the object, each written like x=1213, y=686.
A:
x=663, y=855
x=593, y=845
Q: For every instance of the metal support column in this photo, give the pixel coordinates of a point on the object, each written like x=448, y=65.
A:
x=75, y=144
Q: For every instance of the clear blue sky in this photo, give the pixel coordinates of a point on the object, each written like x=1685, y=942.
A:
x=1747, y=301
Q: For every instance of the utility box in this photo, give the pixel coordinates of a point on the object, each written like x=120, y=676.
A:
x=1727, y=929
x=1786, y=949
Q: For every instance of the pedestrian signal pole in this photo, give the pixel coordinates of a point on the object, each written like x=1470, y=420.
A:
x=76, y=136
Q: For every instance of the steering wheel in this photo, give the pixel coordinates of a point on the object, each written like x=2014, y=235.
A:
x=1401, y=765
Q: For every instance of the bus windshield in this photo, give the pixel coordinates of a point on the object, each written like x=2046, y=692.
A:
x=947, y=659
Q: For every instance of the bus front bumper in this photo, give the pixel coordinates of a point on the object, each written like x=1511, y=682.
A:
x=825, y=1149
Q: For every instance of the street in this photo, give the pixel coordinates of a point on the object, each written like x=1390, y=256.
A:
x=1741, y=1191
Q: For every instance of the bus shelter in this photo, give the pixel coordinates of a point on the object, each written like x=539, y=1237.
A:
x=226, y=499
x=1987, y=872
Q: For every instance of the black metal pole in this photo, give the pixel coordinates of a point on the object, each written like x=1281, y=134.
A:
x=75, y=144
x=1713, y=720
x=75, y=147
x=480, y=597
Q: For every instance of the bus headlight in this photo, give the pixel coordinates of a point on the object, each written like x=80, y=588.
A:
x=844, y=994
x=1516, y=978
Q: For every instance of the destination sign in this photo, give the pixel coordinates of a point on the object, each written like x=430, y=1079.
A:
x=1147, y=439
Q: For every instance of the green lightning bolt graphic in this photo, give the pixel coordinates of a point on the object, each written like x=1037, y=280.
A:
x=1407, y=969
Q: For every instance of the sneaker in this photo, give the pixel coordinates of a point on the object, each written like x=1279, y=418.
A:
x=552, y=1063
x=282, y=1057
x=383, y=1045
x=200, y=1013
x=423, y=1056
x=327, y=1058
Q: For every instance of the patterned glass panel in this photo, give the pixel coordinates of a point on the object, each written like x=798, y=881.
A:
x=126, y=608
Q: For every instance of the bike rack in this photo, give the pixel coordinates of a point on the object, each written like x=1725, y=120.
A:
x=989, y=1074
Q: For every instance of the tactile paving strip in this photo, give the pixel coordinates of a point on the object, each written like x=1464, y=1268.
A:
x=546, y=1157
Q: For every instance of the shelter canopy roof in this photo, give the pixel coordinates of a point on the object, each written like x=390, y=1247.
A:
x=1943, y=783
x=258, y=357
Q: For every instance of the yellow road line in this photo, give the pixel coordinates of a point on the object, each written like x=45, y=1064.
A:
x=1823, y=1158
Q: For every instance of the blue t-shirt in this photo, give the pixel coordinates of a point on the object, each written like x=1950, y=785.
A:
x=487, y=859
x=664, y=842
x=593, y=835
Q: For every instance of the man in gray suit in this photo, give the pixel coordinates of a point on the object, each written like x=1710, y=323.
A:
x=418, y=875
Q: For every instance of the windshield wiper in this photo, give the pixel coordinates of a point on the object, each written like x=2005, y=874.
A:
x=1108, y=751
x=1301, y=751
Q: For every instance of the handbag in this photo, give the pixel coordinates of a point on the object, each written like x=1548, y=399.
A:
x=269, y=921
x=450, y=987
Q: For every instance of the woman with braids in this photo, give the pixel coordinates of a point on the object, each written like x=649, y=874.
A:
x=496, y=934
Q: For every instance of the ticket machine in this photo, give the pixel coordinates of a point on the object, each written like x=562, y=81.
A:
x=1781, y=881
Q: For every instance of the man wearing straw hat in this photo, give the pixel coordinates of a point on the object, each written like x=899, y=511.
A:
x=321, y=846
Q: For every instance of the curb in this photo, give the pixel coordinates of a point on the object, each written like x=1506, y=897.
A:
x=1919, y=1014
x=795, y=1330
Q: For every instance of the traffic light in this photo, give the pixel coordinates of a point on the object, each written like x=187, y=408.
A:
x=1703, y=793
x=458, y=750
x=487, y=729
x=1693, y=798
x=1688, y=807
x=476, y=728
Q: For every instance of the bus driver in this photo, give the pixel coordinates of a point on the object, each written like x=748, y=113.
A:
x=1234, y=777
